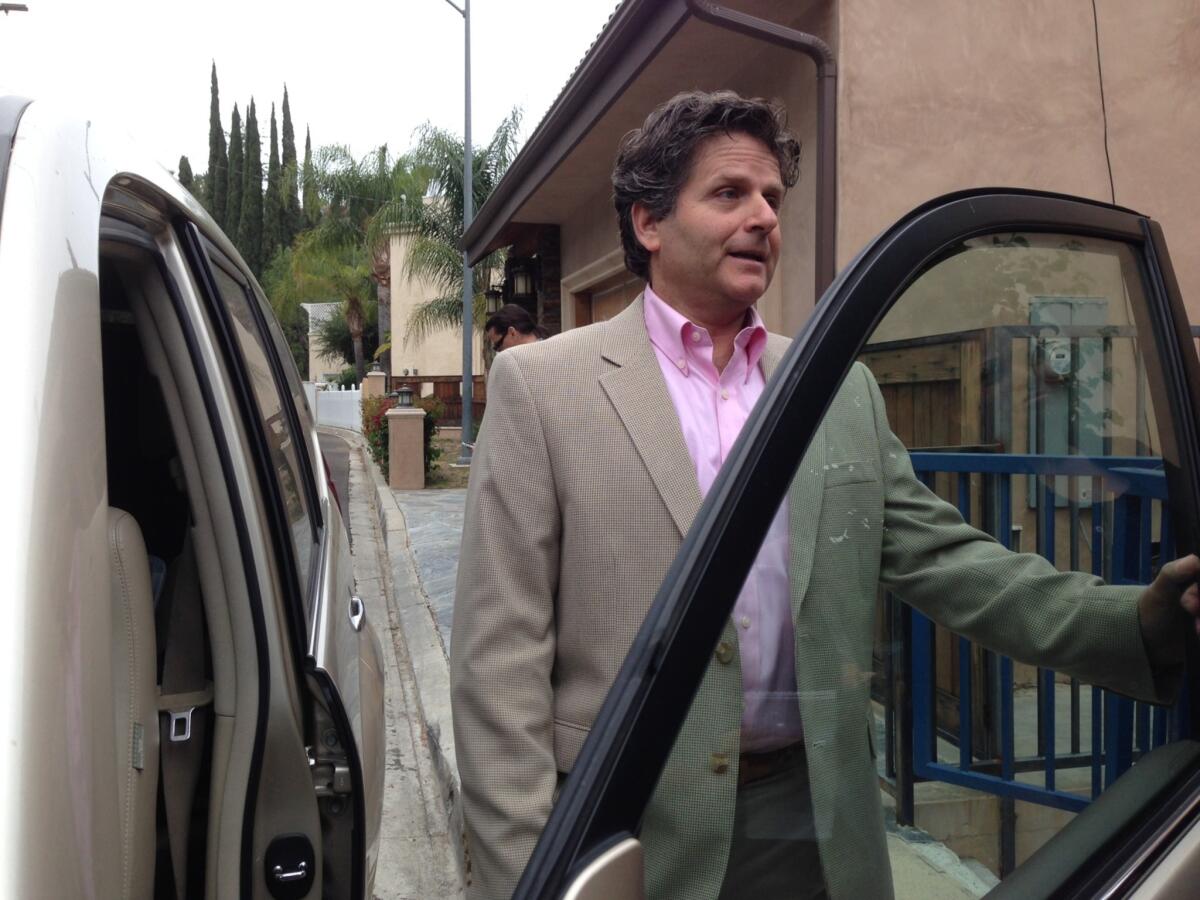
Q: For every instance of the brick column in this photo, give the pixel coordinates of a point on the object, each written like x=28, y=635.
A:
x=406, y=448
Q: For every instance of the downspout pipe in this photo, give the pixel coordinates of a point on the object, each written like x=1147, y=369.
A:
x=821, y=54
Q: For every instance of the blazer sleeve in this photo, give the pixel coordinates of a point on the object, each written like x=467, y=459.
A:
x=502, y=646
x=1013, y=603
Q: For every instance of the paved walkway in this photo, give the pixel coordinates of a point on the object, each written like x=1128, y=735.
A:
x=417, y=851
x=435, y=521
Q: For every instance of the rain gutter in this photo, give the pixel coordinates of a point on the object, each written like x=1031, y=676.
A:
x=821, y=54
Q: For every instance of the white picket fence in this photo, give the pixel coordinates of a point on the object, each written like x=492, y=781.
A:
x=335, y=406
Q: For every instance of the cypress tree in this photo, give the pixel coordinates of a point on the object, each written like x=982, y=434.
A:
x=185, y=173
x=272, y=234
x=236, y=176
x=291, y=199
x=312, y=199
x=216, y=183
x=250, y=229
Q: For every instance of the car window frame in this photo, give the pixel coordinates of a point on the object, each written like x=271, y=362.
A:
x=199, y=253
x=119, y=231
x=643, y=712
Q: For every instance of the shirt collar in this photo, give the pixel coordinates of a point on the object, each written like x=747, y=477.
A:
x=670, y=331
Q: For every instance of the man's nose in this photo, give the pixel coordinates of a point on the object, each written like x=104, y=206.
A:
x=763, y=216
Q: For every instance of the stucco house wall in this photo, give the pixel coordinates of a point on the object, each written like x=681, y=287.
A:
x=933, y=97
x=440, y=353
x=1016, y=100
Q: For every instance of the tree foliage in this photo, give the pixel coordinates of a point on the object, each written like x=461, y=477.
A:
x=320, y=273
x=217, y=181
x=250, y=228
x=356, y=195
x=312, y=196
x=291, y=199
x=272, y=233
x=237, y=175
x=185, y=176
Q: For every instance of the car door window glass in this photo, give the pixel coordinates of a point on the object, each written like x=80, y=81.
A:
x=950, y=694
x=282, y=443
x=295, y=387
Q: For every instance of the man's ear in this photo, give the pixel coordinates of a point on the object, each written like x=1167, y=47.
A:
x=645, y=227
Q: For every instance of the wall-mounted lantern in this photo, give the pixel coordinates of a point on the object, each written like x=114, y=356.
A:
x=522, y=282
x=495, y=300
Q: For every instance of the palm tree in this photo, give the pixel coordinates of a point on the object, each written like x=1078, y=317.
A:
x=357, y=197
x=436, y=224
x=315, y=271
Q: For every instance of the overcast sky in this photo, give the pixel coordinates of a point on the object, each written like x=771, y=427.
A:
x=362, y=72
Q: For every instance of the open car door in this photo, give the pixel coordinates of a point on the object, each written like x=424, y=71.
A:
x=1031, y=363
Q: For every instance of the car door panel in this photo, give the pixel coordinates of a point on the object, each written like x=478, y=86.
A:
x=604, y=798
x=345, y=654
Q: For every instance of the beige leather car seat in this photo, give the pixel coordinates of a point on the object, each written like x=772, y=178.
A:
x=135, y=698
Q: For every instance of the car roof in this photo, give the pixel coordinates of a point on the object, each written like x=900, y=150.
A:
x=114, y=162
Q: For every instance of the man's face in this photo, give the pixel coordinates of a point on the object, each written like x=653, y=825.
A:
x=717, y=249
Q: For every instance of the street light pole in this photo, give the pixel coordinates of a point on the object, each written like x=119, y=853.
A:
x=468, y=383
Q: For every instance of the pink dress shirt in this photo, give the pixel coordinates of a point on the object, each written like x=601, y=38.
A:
x=712, y=407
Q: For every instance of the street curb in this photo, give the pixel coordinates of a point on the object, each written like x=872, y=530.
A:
x=430, y=662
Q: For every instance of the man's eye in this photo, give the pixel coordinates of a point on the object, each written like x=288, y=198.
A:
x=727, y=193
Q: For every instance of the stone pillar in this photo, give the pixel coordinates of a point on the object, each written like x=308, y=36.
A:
x=374, y=385
x=406, y=448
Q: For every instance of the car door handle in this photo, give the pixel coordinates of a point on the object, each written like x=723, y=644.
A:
x=357, y=612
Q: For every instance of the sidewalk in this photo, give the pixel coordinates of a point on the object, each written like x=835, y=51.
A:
x=422, y=530
x=418, y=856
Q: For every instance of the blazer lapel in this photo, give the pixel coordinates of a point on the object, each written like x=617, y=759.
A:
x=638, y=392
x=804, y=496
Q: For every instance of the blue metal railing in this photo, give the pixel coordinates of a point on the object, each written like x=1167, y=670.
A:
x=1123, y=551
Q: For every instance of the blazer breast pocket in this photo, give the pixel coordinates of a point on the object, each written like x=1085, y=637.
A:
x=850, y=471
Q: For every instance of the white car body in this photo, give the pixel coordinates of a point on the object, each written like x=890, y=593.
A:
x=81, y=211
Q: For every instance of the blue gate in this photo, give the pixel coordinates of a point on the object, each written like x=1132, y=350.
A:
x=1129, y=531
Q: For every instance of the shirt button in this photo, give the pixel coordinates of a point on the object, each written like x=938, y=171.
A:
x=724, y=653
x=682, y=363
x=745, y=621
x=724, y=394
x=695, y=337
x=719, y=763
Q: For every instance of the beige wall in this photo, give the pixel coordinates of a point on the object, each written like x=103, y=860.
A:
x=1151, y=74
x=934, y=97
x=1008, y=94
x=440, y=353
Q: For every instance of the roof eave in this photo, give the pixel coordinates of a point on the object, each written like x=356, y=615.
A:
x=631, y=39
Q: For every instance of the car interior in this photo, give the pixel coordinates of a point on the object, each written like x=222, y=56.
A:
x=151, y=530
x=182, y=719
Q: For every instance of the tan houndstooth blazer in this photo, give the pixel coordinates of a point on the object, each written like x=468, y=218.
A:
x=581, y=491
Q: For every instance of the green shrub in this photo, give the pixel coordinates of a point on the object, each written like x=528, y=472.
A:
x=348, y=378
x=374, y=429
x=434, y=410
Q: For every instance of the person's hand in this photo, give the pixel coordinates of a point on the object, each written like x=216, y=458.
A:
x=1172, y=598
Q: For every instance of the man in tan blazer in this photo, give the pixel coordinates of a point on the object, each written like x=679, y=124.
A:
x=589, y=471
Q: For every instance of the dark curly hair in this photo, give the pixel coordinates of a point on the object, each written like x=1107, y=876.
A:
x=655, y=160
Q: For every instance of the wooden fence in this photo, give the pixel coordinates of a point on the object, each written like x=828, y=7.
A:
x=448, y=390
